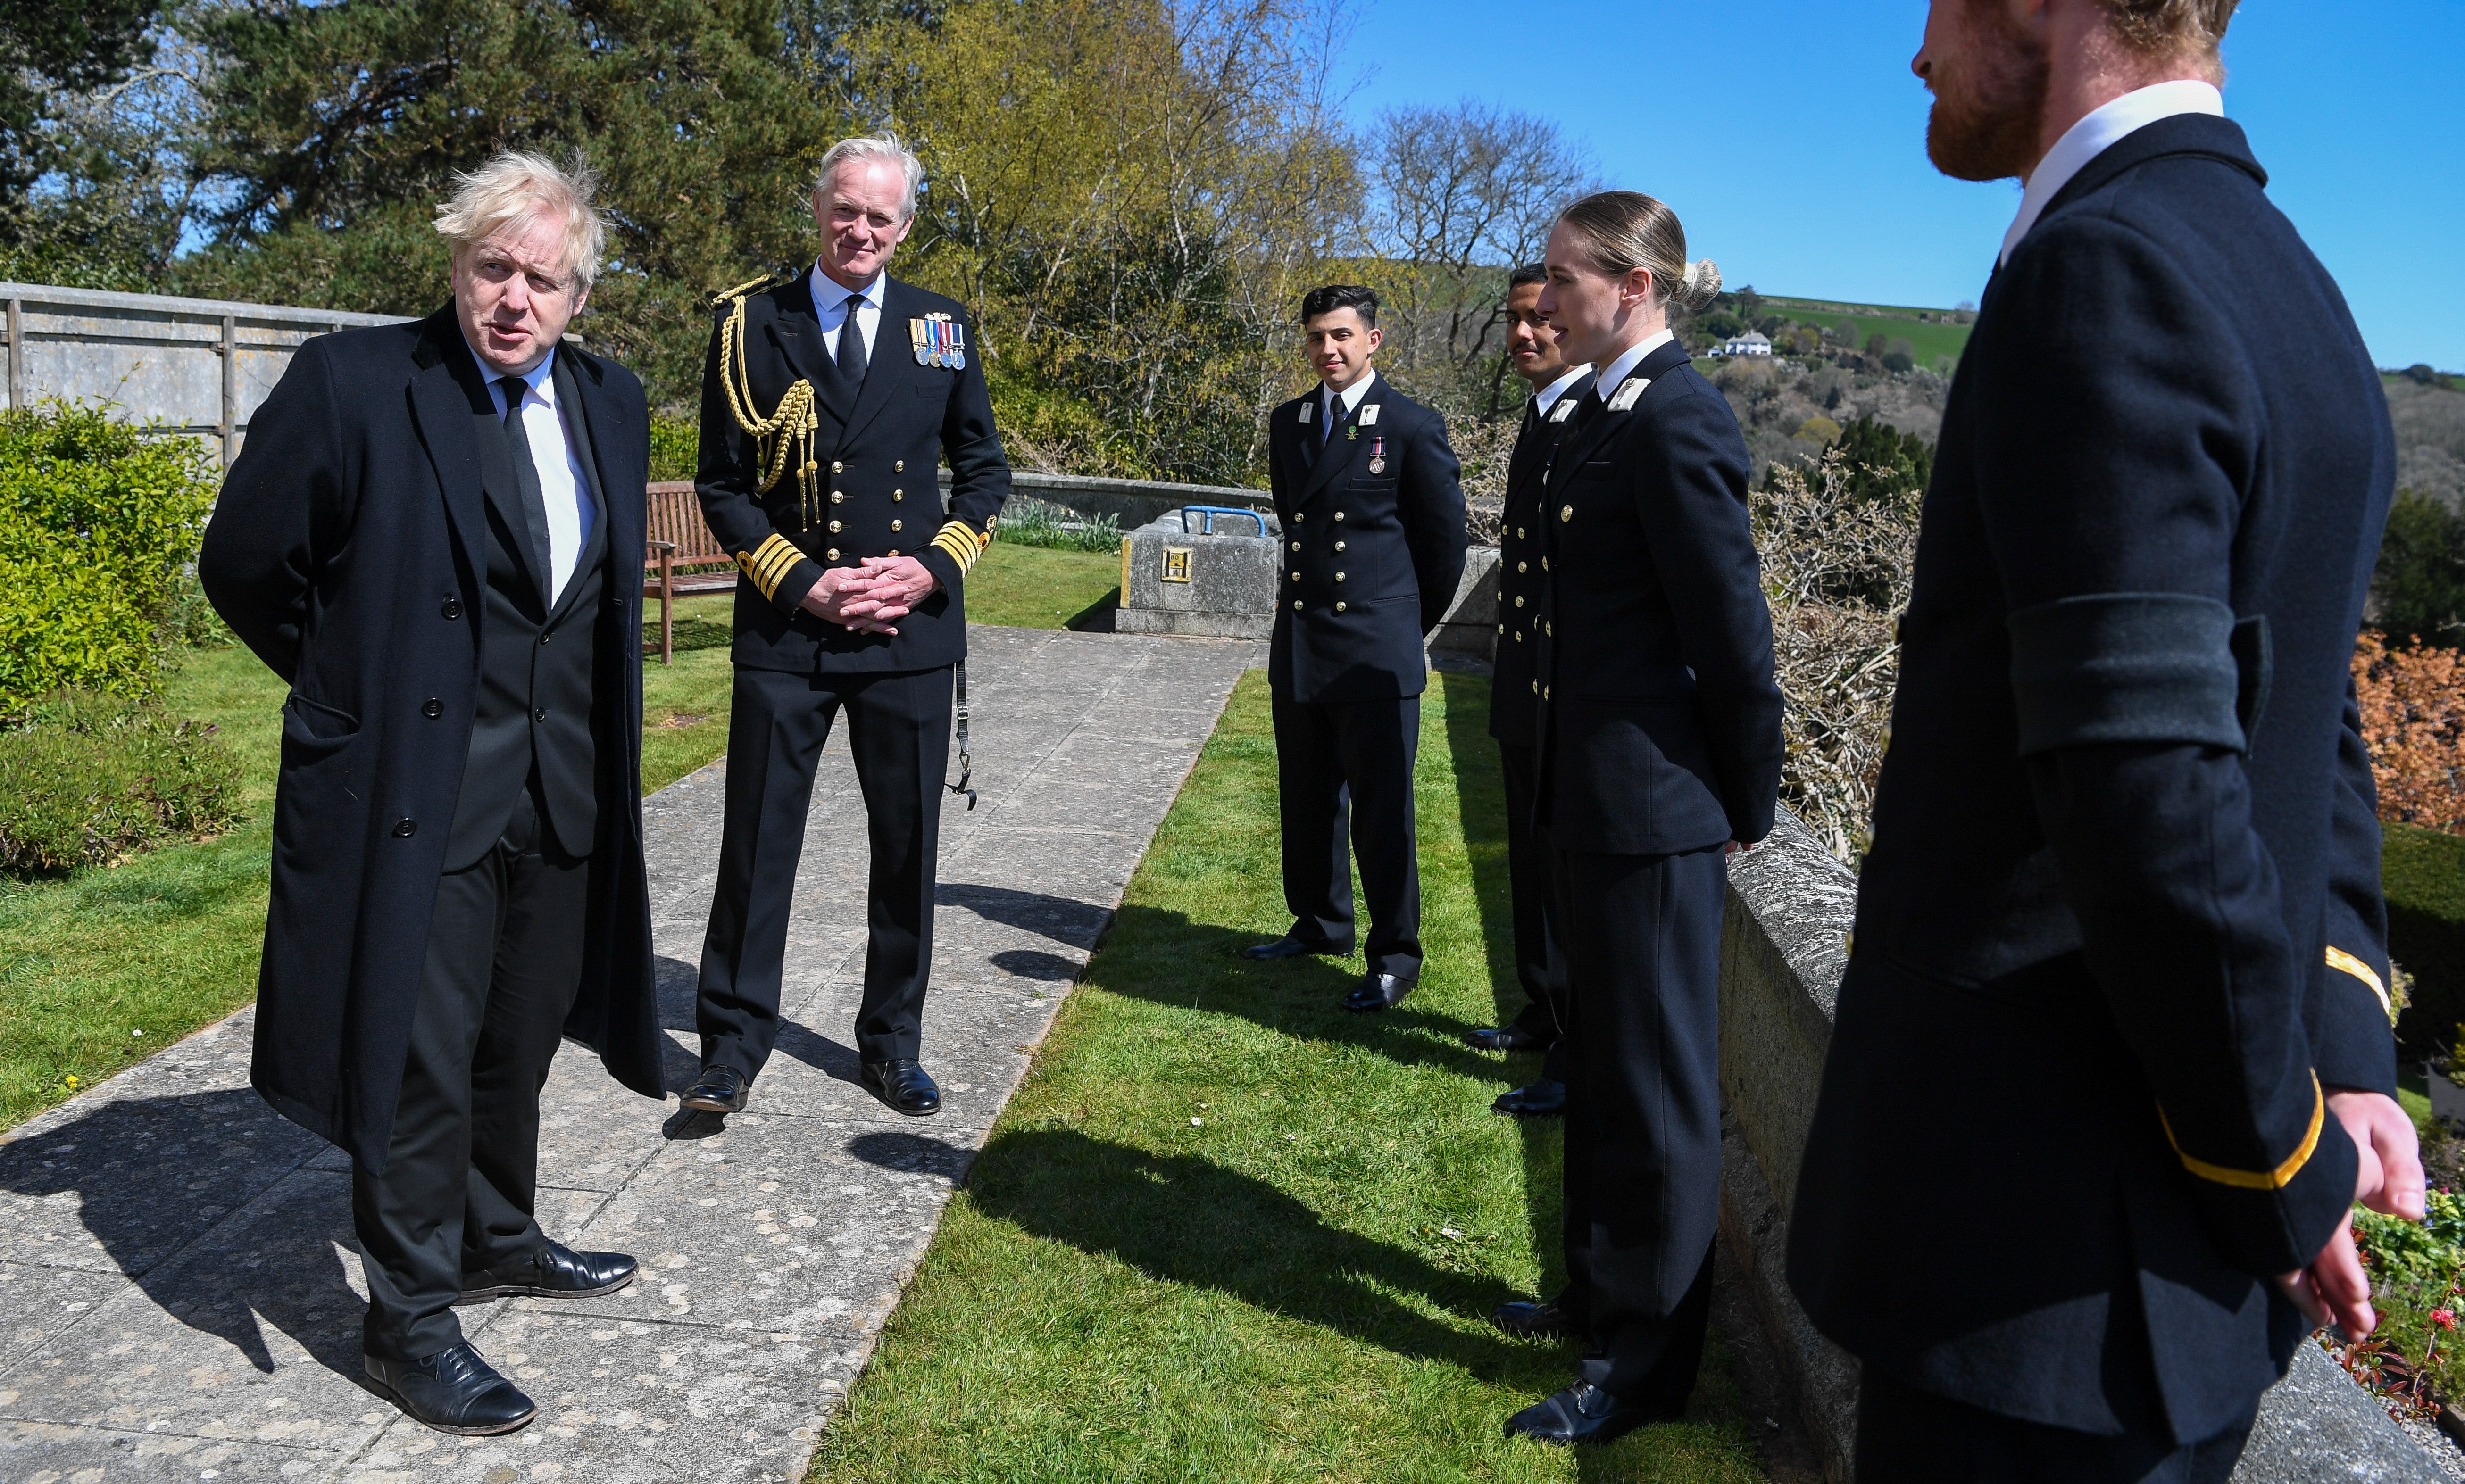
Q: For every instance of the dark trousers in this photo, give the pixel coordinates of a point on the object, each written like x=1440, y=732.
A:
x=504, y=958
x=1540, y=964
x=898, y=729
x=1343, y=781
x=1907, y=1436
x=1642, y=935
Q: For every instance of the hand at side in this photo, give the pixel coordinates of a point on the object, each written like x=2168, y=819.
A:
x=2387, y=1179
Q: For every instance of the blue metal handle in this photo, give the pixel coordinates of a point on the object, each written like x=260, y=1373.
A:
x=1208, y=513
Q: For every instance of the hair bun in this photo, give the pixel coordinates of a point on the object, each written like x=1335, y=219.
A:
x=1703, y=282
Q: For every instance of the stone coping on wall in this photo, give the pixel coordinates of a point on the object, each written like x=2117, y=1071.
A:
x=1785, y=944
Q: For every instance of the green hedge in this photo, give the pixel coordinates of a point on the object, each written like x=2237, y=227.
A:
x=85, y=778
x=676, y=444
x=2423, y=874
x=97, y=521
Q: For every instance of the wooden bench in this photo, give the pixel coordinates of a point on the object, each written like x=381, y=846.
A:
x=680, y=557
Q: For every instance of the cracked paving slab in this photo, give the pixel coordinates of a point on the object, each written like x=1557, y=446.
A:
x=180, y=1295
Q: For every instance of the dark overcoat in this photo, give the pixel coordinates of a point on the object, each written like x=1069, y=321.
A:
x=2118, y=927
x=349, y=550
x=876, y=495
x=1373, y=520
x=1658, y=722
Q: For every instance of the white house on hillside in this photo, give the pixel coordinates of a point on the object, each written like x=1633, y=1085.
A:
x=1750, y=344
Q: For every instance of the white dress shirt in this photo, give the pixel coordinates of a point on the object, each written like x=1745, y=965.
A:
x=1547, y=396
x=1350, y=396
x=1624, y=366
x=2095, y=132
x=565, y=490
x=829, y=301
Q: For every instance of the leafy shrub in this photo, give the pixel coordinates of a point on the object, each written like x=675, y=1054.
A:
x=2419, y=586
x=87, y=777
x=97, y=519
x=2422, y=873
x=1026, y=521
x=676, y=444
x=2416, y=1356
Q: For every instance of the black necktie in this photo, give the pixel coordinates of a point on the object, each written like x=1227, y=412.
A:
x=527, y=472
x=852, y=344
x=1334, y=415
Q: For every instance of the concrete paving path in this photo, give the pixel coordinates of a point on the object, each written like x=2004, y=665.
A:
x=180, y=1296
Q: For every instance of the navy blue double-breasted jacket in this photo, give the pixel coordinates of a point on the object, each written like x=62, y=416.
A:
x=1514, y=696
x=1373, y=523
x=2119, y=929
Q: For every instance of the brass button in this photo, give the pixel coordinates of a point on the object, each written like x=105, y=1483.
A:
x=894, y=551
x=898, y=495
x=898, y=525
x=1551, y=630
x=1339, y=577
x=1518, y=600
x=834, y=528
x=1523, y=566
x=1518, y=533
x=1297, y=604
x=898, y=466
x=1296, y=575
x=1536, y=687
x=1338, y=546
x=1297, y=545
x=1339, y=515
x=832, y=555
x=837, y=467
x=1566, y=511
x=1518, y=635
x=1501, y=629
x=1544, y=693
x=1339, y=607
x=1544, y=563
x=1299, y=518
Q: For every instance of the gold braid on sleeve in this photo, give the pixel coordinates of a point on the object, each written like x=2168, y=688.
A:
x=786, y=434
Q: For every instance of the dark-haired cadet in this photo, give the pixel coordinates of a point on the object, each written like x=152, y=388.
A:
x=1373, y=533
x=1657, y=749
x=1540, y=964
x=2117, y=1012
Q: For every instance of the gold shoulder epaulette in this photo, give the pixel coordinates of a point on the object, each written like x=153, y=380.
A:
x=748, y=286
x=783, y=442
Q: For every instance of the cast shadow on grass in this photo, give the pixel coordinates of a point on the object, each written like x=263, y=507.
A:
x=156, y=1180
x=1165, y=958
x=1480, y=800
x=1256, y=1243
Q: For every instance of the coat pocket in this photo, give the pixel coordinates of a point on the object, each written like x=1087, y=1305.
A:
x=316, y=728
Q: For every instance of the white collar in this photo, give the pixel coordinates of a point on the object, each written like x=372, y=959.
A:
x=1618, y=371
x=1351, y=395
x=823, y=284
x=1549, y=394
x=2098, y=130
x=541, y=379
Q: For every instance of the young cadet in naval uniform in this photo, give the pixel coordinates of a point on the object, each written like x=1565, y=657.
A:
x=1540, y=964
x=2115, y=1010
x=1373, y=523
x=1658, y=748
x=827, y=401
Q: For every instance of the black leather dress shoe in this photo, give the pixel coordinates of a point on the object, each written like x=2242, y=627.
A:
x=1542, y=1099
x=1503, y=1038
x=720, y=1090
x=1378, y=992
x=554, y=1271
x=1527, y=1320
x=1584, y=1413
x=905, y=1086
x=1290, y=947
x=453, y=1392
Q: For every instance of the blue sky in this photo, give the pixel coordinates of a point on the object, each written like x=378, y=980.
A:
x=1789, y=135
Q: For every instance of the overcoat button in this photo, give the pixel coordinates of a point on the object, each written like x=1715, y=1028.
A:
x=1518, y=533
x=1296, y=577
x=838, y=496
x=1518, y=600
x=404, y=829
x=433, y=709
x=541, y=715
x=834, y=527
x=1523, y=566
x=896, y=495
x=1501, y=629
x=1536, y=687
x=1297, y=603
x=451, y=607
x=1339, y=577
x=1338, y=546
x=1297, y=545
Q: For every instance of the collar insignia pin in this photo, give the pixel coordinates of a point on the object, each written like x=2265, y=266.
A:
x=1564, y=409
x=1624, y=398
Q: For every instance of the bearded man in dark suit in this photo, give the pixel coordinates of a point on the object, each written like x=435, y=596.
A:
x=1372, y=511
x=2117, y=1007
x=828, y=399
x=435, y=534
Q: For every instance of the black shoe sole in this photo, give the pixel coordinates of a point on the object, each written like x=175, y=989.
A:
x=934, y=1110
x=714, y=1104
x=493, y=1429
x=480, y=1296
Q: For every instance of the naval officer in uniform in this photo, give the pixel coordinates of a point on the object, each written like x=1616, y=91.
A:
x=2112, y=1058
x=1366, y=489
x=1657, y=747
x=828, y=399
x=1540, y=964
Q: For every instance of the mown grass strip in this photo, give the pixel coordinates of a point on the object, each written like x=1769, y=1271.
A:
x=1227, y=1230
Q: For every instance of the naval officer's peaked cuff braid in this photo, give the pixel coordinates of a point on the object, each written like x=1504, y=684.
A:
x=768, y=562
x=963, y=542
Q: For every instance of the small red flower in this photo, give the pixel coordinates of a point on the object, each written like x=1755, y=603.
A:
x=2445, y=1318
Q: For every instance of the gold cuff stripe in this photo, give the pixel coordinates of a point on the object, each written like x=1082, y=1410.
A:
x=963, y=544
x=2340, y=958
x=768, y=562
x=2277, y=1179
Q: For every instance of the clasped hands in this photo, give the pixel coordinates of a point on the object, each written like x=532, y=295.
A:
x=872, y=596
x=2387, y=1179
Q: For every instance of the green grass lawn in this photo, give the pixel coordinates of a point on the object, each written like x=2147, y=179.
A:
x=1927, y=338
x=1229, y=1231
x=167, y=943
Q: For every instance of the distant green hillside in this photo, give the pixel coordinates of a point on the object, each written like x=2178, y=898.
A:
x=1928, y=338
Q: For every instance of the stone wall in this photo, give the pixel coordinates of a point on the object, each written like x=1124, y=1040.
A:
x=198, y=365
x=1784, y=946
